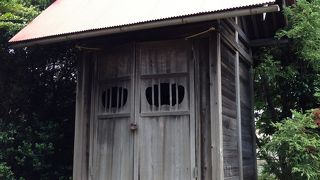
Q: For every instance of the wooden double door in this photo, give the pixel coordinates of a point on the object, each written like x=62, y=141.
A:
x=143, y=123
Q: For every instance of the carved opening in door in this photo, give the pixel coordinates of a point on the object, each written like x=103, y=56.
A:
x=114, y=97
x=177, y=94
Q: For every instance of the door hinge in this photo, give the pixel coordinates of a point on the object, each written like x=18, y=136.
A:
x=195, y=173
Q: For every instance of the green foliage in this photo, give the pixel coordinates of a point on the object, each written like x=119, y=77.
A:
x=14, y=15
x=294, y=149
x=284, y=82
x=5, y=172
x=37, y=100
x=266, y=176
x=304, y=30
x=288, y=77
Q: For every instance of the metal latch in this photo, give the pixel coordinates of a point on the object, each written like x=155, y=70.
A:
x=133, y=126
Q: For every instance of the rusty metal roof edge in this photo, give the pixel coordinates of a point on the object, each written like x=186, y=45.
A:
x=244, y=11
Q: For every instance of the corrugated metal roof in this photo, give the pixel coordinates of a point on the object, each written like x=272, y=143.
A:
x=73, y=16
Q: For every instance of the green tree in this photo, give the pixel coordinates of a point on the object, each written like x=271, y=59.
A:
x=13, y=16
x=288, y=77
x=37, y=94
x=297, y=157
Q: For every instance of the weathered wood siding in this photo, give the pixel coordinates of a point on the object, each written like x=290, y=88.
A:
x=229, y=113
x=247, y=124
x=201, y=47
x=238, y=126
x=248, y=135
x=81, y=138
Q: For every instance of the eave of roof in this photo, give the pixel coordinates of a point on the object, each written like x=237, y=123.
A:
x=56, y=24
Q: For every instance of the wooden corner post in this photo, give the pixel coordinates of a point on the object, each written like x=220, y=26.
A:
x=216, y=107
x=238, y=102
x=83, y=99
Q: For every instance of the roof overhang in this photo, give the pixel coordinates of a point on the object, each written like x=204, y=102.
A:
x=26, y=37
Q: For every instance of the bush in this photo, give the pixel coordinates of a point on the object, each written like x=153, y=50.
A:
x=5, y=172
x=294, y=150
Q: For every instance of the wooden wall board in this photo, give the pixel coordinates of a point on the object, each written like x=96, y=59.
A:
x=248, y=132
x=229, y=113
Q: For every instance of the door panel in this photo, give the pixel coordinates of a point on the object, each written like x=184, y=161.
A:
x=114, y=150
x=144, y=125
x=113, y=142
x=116, y=62
x=166, y=124
x=163, y=57
x=165, y=148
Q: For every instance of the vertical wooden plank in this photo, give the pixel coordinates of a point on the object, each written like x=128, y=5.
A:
x=197, y=97
x=94, y=109
x=111, y=99
x=122, y=100
x=80, y=158
x=159, y=94
x=118, y=100
x=170, y=94
x=77, y=157
x=238, y=102
x=216, y=107
x=153, y=94
x=203, y=116
x=105, y=99
x=136, y=98
x=177, y=94
x=191, y=64
x=253, y=122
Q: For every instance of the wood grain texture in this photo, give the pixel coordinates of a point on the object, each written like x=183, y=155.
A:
x=203, y=110
x=112, y=146
x=174, y=138
x=238, y=100
x=165, y=148
x=229, y=113
x=83, y=99
x=164, y=57
x=166, y=135
x=113, y=151
x=115, y=62
x=248, y=148
x=94, y=109
x=216, y=124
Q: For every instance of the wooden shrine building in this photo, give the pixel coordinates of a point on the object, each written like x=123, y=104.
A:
x=164, y=87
